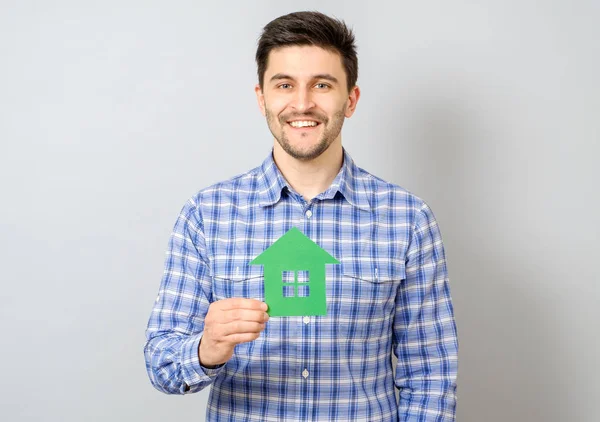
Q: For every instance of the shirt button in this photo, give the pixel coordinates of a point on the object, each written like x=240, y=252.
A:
x=305, y=373
x=306, y=320
x=308, y=214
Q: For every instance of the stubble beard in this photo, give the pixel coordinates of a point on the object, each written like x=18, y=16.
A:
x=332, y=129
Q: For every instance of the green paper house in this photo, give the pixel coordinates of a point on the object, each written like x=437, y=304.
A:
x=294, y=273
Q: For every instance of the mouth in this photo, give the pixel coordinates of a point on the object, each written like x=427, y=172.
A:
x=303, y=125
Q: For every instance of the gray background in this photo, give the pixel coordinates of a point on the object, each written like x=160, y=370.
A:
x=113, y=113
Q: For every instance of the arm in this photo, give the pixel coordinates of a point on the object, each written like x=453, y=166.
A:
x=176, y=324
x=425, y=337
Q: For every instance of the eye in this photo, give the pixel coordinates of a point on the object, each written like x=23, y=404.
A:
x=322, y=85
x=285, y=86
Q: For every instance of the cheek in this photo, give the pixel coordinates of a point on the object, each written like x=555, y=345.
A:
x=331, y=106
x=275, y=104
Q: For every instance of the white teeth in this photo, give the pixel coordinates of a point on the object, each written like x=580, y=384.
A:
x=303, y=123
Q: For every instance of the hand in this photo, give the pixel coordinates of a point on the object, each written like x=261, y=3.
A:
x=230, y=322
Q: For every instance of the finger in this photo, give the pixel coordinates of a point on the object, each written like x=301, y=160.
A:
x=244, y=315
x=241, y=327
x=241, y=303
x=242, y=338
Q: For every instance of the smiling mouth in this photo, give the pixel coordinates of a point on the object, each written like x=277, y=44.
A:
x=303, y=124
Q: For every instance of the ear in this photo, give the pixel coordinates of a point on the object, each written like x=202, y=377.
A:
x=260, y=97
x=353, y=97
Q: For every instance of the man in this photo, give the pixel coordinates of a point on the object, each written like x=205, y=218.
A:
x=389, y=294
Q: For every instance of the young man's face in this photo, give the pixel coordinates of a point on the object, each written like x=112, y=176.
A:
x=305, y=99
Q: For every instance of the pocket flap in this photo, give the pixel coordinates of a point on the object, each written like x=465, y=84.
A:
x=236, y=269
x=374, y=271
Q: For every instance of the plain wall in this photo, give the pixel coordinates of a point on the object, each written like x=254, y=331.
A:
x=114, y=113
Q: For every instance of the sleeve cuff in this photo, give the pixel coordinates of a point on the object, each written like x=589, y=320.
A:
x=194, y=373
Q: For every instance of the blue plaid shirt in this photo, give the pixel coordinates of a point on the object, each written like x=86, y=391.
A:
x=390, y=293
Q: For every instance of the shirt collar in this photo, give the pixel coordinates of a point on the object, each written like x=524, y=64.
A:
x=347, y=182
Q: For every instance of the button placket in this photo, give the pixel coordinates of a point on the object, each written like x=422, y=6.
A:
x=304, y=321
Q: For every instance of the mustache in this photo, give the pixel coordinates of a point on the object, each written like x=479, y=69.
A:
x=309, y=116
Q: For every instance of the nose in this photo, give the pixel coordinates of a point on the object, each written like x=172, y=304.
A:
x=302, y=100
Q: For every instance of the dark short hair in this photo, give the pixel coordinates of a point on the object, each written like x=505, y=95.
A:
x=308, y=28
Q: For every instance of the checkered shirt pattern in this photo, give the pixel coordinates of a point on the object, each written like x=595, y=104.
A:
x=389, y=294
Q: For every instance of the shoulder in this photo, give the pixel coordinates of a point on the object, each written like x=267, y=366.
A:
x=238, y=188
x=394, y=205
x=384, y=195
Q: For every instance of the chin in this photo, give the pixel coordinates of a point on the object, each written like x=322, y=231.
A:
x=307, y=153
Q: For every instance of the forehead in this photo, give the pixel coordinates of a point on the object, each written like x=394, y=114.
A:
x=304, y=61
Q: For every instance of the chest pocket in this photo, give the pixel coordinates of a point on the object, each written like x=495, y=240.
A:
x=364, y=305
x=235, y=278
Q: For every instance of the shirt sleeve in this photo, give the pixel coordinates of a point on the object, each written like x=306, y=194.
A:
x=425, y=336
x=176, y=323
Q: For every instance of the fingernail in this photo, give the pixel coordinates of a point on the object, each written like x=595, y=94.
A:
x=264, y=306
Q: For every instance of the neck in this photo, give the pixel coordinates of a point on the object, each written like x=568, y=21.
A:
x=310, y=178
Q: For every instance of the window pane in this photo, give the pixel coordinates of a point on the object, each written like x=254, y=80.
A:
x=303, y=276
x=303, y=291
x=287, y=276
x=288, y=291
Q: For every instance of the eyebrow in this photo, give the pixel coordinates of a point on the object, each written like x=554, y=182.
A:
x=326, y=76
